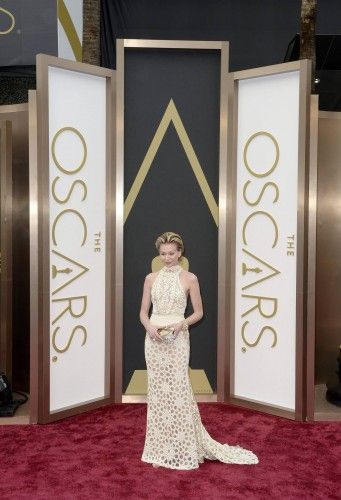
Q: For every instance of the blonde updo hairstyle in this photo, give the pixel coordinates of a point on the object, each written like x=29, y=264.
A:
x=170, y=237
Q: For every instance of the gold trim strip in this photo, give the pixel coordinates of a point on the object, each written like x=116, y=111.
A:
x=70, y=30
x=274, y=69
x=330, y=114
x=311, y=270
x=224, y=234
x=172, y=44
x=34, y=282
x=171, y=115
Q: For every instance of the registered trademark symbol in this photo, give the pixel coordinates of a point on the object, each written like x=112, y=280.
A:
x=243, y=349
x=54, y=359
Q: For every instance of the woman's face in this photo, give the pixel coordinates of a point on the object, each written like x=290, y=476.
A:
x=169, y=254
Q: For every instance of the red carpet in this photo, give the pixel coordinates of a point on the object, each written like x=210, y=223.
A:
x=97, y=456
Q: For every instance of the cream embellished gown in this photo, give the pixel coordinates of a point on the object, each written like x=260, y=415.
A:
x=175, y=435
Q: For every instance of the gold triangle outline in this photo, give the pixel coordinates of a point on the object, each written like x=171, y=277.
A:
x=84, y=270
x=171, y=115
x=275, y=271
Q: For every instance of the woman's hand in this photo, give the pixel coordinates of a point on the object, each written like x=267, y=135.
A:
x=176, y=327
x=153, y=333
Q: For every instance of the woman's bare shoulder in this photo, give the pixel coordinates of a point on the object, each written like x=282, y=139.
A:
x=191, y=277
x=150, y=278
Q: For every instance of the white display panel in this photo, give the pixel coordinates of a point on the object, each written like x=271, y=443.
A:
x=77, y=218
x=266, y=239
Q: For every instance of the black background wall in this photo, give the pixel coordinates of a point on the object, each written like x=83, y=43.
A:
x=258, y=30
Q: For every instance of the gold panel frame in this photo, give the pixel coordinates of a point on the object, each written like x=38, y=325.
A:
x=39, y=240
x=321, y=363
x=6, y=246
x=223, y=238
x=304, y=67
x=312, y=215
x=17, y=216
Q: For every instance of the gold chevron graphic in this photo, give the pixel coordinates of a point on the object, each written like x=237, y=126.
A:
x=70, y=30
x=171, y=115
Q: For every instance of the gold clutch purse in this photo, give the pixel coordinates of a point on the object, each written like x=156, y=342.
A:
x=167, y=335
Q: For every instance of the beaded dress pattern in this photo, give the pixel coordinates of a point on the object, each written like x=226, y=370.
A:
x=175, y=436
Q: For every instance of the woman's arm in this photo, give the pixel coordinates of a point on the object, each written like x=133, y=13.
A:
x=194, y=293
x=145, y=306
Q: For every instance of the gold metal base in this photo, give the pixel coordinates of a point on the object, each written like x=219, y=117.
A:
x=21, y=416
x=323, y=409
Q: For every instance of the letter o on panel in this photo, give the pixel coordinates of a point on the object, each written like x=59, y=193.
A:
x=53, y=148
x=273, y=166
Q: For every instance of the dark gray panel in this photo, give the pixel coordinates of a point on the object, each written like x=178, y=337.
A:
x=170, y=198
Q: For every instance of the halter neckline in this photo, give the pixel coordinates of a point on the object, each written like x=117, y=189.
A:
x=173, y=269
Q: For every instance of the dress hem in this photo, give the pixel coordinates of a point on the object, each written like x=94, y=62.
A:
x=166, y=466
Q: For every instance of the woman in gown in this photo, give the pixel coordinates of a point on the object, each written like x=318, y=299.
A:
x=175, y=436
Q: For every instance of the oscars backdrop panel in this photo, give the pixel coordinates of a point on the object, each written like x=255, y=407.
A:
x=266, y=238
x=77, y=201
x=171, y=123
